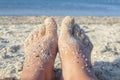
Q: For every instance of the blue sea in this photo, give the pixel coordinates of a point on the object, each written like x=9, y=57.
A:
x=60, y=7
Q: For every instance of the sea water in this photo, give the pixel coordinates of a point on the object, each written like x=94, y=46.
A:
x=60, y=7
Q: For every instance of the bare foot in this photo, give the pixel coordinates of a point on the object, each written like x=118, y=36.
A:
x=40, y=52
x=75, y=51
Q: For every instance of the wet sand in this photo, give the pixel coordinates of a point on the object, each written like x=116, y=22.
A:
x=103, y=32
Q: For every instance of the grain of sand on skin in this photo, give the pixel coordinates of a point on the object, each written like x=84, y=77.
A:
x=103, y=32
x=40, y=52
x=75, y=48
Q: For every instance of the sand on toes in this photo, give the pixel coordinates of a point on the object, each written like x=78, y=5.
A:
x=75, y=50
x=40, y=52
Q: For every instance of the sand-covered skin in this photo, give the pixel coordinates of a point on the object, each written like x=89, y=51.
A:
x=103, y=32
x=40, y=52
x=75, y=50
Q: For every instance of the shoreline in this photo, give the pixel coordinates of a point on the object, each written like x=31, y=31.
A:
x=107, y=20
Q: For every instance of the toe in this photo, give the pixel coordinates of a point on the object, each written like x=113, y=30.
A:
x=86, y=41
x=38, y=32
x=67, y=25
x=80, y=34
x=35, y=34
x=51, y=26
x=76, y=31
x=41, y=30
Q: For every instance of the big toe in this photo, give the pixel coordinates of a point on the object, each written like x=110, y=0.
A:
x=67, y=25
x=51, y=26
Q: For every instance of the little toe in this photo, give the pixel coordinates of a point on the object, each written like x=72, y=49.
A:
x=88, y=43
x=51, y=26
x=86, y=40
x=80, y=35
x=41, y=30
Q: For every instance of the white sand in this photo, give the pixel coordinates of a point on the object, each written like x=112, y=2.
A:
x=104, y=33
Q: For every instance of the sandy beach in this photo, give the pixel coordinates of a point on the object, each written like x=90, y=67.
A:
x=104, y=32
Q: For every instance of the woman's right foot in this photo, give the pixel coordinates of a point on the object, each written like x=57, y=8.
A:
x=75, y=51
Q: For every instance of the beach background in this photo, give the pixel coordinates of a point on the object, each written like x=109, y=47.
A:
x=99, y=18
x=60, y=7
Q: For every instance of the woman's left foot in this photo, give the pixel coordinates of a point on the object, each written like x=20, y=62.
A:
x=40, y=52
